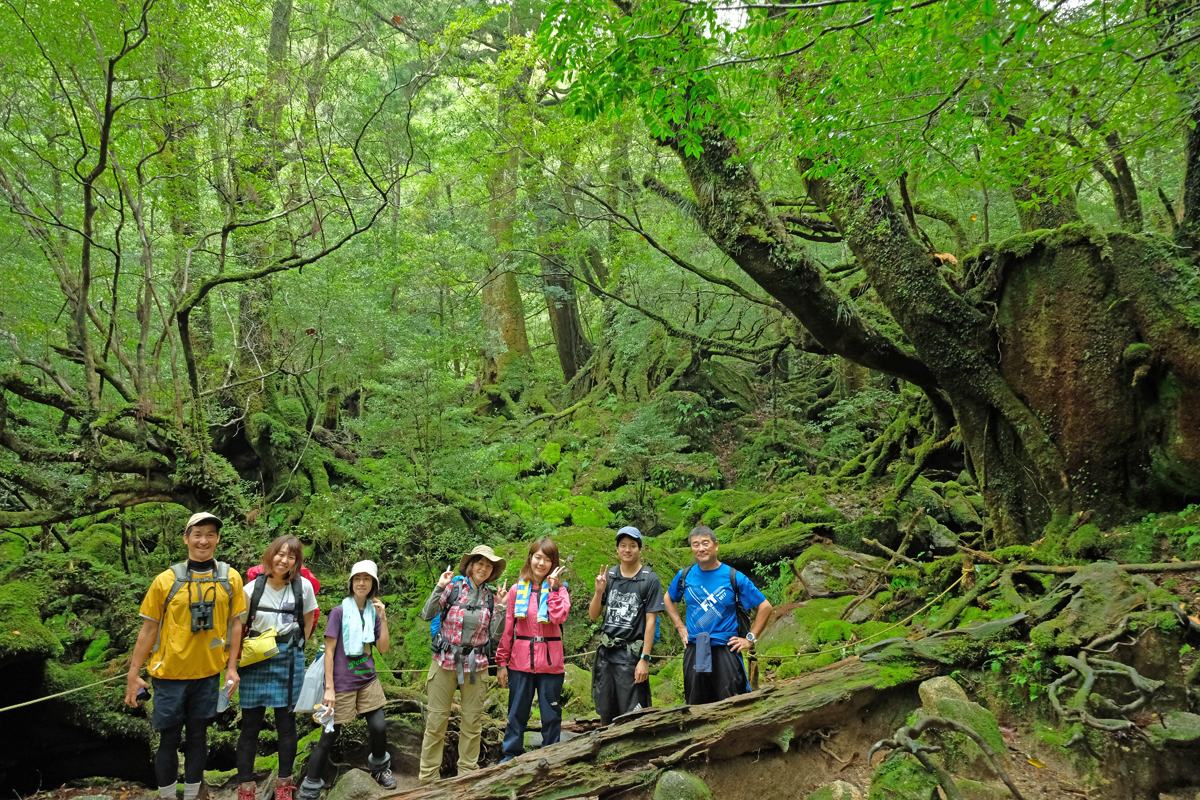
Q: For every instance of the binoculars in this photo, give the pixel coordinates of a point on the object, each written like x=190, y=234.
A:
x=202, y=615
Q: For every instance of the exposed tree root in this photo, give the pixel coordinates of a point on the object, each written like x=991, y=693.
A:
x=963, y=602
x=906, y=739
x=1075, y=709
x=890, y=552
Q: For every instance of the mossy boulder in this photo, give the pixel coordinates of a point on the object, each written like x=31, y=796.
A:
x=939, y=688
x=810, y=627
x=577, y=692
x=767, y=548
x=556, y=512
x=1178, y=729
x=679, y=785
x=599, y=478
x=828, y=568
x=100, y=542
x=901, y=778
x=960, y=752
x=672, y=509
x=356, y=784
x=551, y=454
x=23, y=636
x=589, y=512
x=12, y=548
x=717, y=507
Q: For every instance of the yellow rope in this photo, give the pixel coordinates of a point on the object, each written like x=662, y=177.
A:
x=899, y=624
x=905, y=621
x=60, y=694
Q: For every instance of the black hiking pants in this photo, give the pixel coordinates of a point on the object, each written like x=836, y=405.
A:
x=728, y=676
x=613, y=689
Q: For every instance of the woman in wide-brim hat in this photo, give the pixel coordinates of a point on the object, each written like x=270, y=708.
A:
x=471, y=614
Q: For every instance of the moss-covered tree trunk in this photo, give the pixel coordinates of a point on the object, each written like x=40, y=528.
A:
x=1188, y=232
x=1040, y=361
x=503, y=308
x=565, y=324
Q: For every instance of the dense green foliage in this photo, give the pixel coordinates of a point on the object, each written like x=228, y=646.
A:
x=405, y=283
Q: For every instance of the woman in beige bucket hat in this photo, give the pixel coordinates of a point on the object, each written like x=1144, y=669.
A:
x=472, y=614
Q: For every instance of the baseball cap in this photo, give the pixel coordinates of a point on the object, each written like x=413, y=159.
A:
x=200, y=517
x=631, y=532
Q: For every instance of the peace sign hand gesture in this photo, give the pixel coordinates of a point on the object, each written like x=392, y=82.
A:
x=554, y=580
x=446, y=577
x=502, y=593
x=602, y=580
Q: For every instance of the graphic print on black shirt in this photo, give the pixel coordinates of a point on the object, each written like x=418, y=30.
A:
x=628, y=600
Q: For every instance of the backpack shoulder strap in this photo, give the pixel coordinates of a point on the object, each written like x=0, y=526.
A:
x=221, y=575
x=180, y=575
x=456, y=594
x=298, y=600
x=613, y=574
x=260, y=585
x=683, y=582
x=733, y=582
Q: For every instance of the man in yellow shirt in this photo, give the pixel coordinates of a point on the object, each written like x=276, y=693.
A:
x=193, y=615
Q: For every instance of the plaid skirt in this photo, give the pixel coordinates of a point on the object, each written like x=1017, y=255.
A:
x=266, y=683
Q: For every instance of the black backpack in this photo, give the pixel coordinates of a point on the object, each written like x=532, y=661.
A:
x=743, y=614
x=260, y=584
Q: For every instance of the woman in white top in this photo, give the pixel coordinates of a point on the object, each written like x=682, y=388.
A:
x=272, y=599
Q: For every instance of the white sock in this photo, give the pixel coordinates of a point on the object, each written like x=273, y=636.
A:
x=167, y=792
x=191, y=791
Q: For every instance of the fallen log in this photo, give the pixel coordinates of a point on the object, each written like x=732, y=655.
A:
x=1168, y=566
x=634, y=750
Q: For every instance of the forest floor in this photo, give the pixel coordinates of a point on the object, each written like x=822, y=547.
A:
x=735, y=778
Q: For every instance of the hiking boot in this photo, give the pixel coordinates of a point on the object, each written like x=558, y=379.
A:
x=384, y=778
x=247, y=791
x=284, y=789
x=310, y=790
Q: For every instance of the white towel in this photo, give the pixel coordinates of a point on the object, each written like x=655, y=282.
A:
x=358, y=628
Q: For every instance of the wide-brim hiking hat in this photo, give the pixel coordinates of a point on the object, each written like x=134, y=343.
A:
x=632, y=533
x=367, y=567
x=200, y=517
x=498, y=564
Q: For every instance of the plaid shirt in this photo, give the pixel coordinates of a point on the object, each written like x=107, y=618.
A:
x=452, y=625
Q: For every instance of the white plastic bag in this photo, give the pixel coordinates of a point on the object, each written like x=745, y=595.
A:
x=324, y=717
x=313, y=690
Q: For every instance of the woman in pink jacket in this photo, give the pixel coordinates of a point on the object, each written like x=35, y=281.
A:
x=530, y=656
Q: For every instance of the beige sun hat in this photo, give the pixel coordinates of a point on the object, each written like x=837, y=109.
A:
x=364, y=566
x=199, y=517
x=498, y=563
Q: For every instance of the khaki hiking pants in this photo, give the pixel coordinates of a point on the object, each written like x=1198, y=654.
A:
x=440, y=686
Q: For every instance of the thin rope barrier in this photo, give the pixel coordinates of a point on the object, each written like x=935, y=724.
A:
x=762, y=656
x=905, y=621
x=61, y=694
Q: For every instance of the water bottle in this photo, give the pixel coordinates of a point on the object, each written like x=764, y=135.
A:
x=223, y=696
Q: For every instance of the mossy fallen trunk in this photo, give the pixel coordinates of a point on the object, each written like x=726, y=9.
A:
x=632, y=753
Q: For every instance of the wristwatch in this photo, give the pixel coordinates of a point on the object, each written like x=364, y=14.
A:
x=645, y=657
x=751, y=638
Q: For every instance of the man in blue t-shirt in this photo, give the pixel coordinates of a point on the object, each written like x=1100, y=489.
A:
x=712, y=663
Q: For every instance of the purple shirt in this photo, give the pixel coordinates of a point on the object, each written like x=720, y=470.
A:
x=350, y=673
